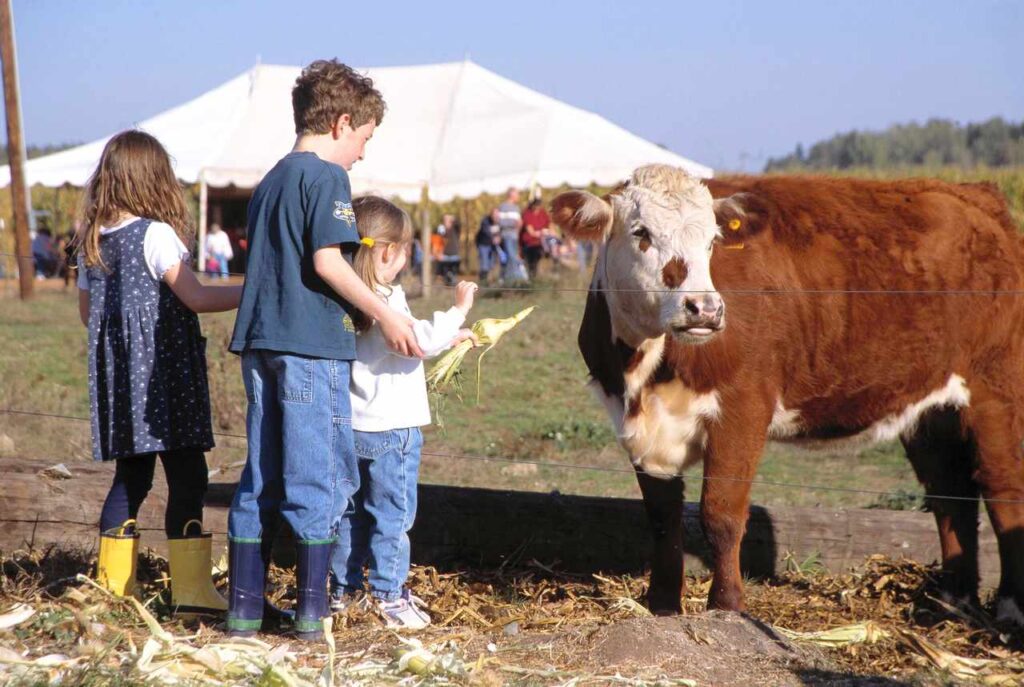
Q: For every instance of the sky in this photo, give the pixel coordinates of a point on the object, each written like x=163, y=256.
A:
x=727, y=83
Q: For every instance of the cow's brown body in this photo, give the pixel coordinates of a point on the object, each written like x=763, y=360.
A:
x=856, y=311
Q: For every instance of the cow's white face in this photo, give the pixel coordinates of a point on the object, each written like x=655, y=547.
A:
x=655, y=263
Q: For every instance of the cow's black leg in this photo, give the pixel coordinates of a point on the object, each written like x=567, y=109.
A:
x=943, y=458
x=997, y=430
x=663, y=500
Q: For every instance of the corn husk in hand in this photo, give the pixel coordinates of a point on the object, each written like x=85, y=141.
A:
x=488, y=331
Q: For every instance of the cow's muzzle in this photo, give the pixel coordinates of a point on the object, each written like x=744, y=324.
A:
x=702, y=317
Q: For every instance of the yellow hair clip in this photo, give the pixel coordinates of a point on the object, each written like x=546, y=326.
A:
x=734, y=224
x=367, y=241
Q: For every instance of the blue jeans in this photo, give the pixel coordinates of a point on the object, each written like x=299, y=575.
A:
x=489, y=257
x=375, y=527
x=585, y=254
x=302, y=463
x=222, y=265
x=510, y=244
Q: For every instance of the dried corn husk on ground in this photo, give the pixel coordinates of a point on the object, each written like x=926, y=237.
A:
x=861, y=633
x=120, y=648
x=529, y=625
x=488, y=332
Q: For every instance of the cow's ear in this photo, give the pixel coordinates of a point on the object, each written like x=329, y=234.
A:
x=582, y=215
x=741, y=216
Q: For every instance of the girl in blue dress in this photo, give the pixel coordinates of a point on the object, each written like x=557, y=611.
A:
x=148, y=389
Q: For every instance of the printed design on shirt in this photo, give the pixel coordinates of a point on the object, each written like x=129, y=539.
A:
x=344, y=212
x=346, y=322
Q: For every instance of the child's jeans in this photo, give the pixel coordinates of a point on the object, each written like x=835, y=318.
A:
x=375, y=527
x=302, y=463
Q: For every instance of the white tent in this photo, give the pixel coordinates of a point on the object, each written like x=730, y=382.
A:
x=454, y=129
x=457, y=129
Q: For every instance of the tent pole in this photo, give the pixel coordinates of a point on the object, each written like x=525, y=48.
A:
x=427, y=266
x=201, y=248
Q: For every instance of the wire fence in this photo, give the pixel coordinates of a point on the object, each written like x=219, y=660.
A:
x=627, y=471
x=774, y=291
x=604, y=469
x=74, y=268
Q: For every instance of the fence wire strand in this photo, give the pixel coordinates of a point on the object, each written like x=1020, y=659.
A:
x=627, y=471
x=546, y=288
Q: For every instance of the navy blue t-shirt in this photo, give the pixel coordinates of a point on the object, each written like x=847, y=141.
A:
x=300, y=206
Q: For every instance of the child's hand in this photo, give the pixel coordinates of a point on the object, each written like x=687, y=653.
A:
x=465, y=335
x=398, y=334
x=464, y=294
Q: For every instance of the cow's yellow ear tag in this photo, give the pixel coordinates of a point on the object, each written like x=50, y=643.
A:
x=734, y=224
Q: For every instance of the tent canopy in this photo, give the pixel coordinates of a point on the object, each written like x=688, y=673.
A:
x=455, y=128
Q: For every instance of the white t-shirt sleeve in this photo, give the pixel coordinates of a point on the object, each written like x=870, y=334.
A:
x=162, y=249
x=435, y=335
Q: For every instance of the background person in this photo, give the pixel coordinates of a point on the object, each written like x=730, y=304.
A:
x=535, y=224
x=511, y=221
x=43, y=256
x=488, y=244
x=218, y=248
x=448, y=259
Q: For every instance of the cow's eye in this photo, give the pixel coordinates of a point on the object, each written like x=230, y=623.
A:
x=642, y=233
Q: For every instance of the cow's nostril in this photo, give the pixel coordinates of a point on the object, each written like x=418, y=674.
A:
x=691, y=307
x=720, y=312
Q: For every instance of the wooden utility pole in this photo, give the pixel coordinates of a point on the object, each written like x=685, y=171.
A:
x=427, y=269
x=16, y=150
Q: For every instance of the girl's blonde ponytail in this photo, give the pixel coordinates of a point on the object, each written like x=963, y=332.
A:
x=380, y=223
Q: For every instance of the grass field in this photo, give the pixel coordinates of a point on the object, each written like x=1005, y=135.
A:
x=533, y=407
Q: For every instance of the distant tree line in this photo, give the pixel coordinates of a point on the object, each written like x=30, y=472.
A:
x=36, y=151
x=938, y=142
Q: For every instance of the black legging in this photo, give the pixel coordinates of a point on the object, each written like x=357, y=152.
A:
x=533, y=254
x=187, y=479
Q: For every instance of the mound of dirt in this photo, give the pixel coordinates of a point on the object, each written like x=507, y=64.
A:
x=712, y=648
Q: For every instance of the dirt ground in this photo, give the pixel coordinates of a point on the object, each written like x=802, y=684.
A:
x=713, y=648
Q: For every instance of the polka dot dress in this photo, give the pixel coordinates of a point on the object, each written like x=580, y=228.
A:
x=147, y=357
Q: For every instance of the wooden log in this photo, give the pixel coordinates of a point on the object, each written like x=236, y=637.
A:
x=459, y=526
x=39, y=508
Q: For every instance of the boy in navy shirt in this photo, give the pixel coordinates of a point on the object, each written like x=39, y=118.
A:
x=295, y=336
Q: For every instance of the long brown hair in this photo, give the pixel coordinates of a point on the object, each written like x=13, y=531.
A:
x=134, y=176
x=380, y=222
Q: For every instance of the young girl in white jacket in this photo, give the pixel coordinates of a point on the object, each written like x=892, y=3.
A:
x=389, y=405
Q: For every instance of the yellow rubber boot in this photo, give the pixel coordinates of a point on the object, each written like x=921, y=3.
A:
x=192, y=590
x=119, y=548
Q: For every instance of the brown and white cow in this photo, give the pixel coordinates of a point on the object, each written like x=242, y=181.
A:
x=824, y=312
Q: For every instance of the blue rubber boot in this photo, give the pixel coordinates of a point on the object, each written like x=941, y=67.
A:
x=246, y=576
x=313, y=560
x=274, y=619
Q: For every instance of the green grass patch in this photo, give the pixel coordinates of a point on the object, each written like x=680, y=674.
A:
x=533, y=407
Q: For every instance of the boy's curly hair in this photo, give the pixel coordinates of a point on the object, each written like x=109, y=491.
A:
x=327, y=89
